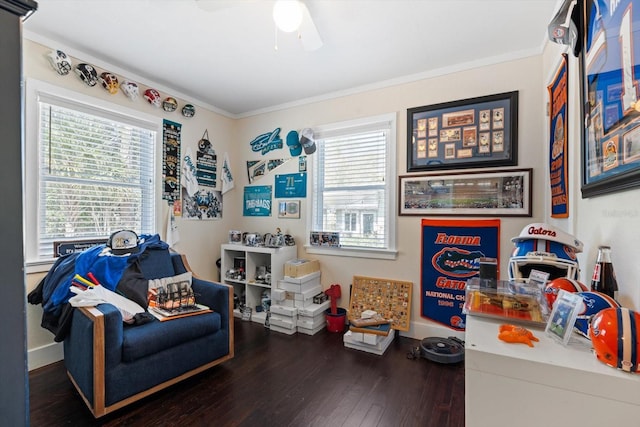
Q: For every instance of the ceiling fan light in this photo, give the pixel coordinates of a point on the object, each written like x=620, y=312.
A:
x=287, y=14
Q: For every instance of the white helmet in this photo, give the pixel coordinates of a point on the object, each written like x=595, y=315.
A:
x=543, y=247
x=130, y=89
x=60, y=62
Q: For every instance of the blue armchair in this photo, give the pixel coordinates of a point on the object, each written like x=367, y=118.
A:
x=112, y=364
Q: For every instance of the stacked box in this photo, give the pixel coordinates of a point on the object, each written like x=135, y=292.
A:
x=283, y=319
x=371, y=343
x=301, y=267
x=312, y=318
x=300, y=284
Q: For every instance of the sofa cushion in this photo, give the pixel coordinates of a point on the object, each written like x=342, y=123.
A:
x=150, y=338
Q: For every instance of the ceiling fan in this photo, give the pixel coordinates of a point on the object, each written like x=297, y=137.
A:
x=288, y=16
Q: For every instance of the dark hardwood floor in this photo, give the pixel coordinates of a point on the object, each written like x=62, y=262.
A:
x=280, y=380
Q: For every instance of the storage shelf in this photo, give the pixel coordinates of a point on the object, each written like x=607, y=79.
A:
x=253, y=257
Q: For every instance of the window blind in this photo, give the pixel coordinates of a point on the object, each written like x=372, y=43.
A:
x=351, y=185
x=96, y=174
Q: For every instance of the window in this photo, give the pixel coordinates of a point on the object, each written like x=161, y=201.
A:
x=350, y=221
x=354, y=185
x=95, y=172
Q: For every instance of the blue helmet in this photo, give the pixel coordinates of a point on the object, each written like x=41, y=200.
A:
x=593, y=303
x=545, y=248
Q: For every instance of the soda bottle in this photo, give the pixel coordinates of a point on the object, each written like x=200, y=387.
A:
x=604, y=278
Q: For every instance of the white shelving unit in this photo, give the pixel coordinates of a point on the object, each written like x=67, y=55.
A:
x=254, y=257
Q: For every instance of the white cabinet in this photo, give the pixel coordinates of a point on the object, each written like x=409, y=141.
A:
x=253, y=259
x=544, y=385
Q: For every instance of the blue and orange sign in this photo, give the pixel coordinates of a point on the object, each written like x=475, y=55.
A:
x=451, y=252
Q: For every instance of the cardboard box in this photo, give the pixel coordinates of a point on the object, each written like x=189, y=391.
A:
x=301, y=267
x=286, y=331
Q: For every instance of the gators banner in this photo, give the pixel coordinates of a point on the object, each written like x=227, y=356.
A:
x=451, y=252
x=559, y=153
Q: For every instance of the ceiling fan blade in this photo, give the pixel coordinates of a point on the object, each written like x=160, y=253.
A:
x=308, y=32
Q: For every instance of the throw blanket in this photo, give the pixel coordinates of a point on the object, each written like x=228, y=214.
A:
x=54, y=291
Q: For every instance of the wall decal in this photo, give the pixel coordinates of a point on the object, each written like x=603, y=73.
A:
x=267, y=142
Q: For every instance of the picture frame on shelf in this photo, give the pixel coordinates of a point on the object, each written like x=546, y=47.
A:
x=470, y=133
x=609, y=61
x=487, y=193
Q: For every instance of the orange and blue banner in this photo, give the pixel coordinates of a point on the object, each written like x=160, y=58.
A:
x=558, y=150
x=451, y=252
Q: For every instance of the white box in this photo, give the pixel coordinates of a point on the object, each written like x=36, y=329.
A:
x=311, y=331
x=311, y=322
x=308, y=294
x=283, y=322
x=313, y=310
x=283, y=311
x=283, y=330
x=378, y=348
x=277, y=295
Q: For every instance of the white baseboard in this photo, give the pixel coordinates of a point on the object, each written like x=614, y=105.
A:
x=45, y=355
x=421, y=330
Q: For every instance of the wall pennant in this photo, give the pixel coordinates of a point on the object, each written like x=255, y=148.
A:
x=170, y=160
x=227, y=177
x=256, y=169
x=267, y=142
x=558, y=151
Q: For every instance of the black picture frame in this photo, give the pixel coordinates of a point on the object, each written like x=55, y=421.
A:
x=496, y=193
x=470, y=133
x=610, y=98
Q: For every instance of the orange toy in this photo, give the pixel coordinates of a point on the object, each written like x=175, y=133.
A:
x=516, y=334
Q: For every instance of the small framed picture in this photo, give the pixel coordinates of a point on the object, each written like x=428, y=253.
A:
x=235, y=236
x=563, y=316
x=289, y=209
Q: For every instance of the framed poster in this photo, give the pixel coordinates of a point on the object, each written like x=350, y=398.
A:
x=558, y=150
x=471, y=133
x=610, y=68
x=291, y=185
x=257, y=200
x=451, y=252
x=495, y=193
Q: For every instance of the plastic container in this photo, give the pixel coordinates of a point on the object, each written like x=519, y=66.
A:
x=336, y=322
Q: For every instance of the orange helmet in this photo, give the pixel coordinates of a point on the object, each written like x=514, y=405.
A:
x=616, y=338
x=553, y=287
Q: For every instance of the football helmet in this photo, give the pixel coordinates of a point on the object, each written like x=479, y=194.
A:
x=170, y=104
x=109, y=81
x=188, y=110
x=592, y=304
x=553, y=287
x=60, y=62
x=543, y=247
x=130, y=89
x=153, y=97
x=615, y=335
x=87, y=74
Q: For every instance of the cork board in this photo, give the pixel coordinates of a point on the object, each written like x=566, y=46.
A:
x=390, y=298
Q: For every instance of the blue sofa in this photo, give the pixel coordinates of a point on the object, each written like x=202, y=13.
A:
x=112, y=364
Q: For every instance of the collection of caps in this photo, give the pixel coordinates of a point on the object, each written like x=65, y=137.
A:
x=62, y=64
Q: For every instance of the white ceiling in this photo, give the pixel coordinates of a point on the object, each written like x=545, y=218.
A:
x=226, y=59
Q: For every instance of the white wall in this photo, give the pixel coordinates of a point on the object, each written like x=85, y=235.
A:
x=523, y=75
x=201, y=240
x=610, y=219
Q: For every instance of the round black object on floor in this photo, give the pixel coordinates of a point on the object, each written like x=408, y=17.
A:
x=442, y=350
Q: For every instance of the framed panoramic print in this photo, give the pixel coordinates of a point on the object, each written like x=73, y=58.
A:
x=610, y=72
x=471, y=133
x=492, y=193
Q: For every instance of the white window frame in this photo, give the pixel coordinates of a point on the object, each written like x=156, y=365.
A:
x=391, y=195
x=35, y=89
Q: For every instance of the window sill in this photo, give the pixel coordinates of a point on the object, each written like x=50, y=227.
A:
x=353, y=252
x=39, y=266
